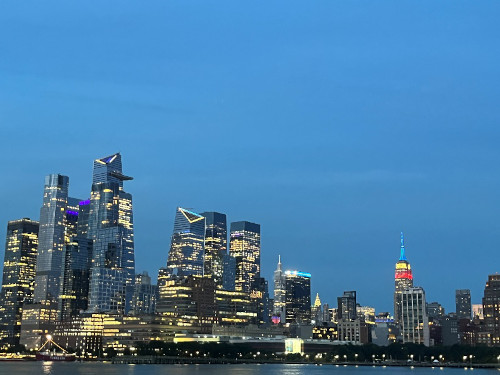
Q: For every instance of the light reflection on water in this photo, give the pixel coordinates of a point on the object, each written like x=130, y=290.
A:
x=55, y=368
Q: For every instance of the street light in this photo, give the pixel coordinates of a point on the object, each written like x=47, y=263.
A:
x=356, y=357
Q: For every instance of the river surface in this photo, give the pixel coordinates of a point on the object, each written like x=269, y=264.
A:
x=93, y=368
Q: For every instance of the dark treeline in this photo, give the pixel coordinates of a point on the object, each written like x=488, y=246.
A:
x=340, y=353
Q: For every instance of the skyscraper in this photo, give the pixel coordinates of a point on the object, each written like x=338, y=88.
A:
x=491, y=308
x=110, y=226
x=77, y=260
x=279, y=292
x=298, y=297
x=245, y=248
x=403, y=279
x=145, y=295
x=228, y=272
x=463, y=304
x=347, y=306
x=185, y=257
x=413, y=318
x=215, y=245
x=51, y=240
x=18, y=276
x=316, y=313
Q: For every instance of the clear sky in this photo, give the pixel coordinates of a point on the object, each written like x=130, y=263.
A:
x=333, y=124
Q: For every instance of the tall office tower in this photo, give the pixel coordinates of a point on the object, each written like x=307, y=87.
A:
x=228, y=272
x=403, y=280
x=77, y=260
x=279, y=292
x=215, y=245
x=111, y=227
x=491, y=308
x=414, y=321
x=185, y=257
x=316, y=313
x=244, y=246
x=18, y=281
x=51, y=240
x=463, y=304
x=298, y=297
x=260, y=296
x=347, y=306
x=145, y=295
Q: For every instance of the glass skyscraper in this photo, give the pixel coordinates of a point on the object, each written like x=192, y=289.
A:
x=110, y=226
x=51, y=239
x=77, y=261
x=298, y=297
x=245, y=248
x=215, y=245
x=18, y=276
x=185, y=257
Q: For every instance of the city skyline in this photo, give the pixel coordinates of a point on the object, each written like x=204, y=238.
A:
x=335, y=129
x=119, y=181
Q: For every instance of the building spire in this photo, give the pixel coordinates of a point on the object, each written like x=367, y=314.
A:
x=402, y=256
x=279, y=262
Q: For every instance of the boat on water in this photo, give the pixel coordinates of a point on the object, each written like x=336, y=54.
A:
x=48, y=355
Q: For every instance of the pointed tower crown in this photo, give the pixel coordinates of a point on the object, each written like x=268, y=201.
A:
x=317, y=301
x=402, y=256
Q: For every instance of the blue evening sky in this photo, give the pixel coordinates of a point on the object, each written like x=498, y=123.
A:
x=333, y=124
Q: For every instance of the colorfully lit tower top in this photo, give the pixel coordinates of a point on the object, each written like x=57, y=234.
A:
x=403, y=277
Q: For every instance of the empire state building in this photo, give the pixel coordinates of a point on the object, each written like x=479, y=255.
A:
x=403, y=279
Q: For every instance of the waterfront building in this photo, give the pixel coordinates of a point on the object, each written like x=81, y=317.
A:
x=215, y=246
x=403, y=279
x=347, y=306
x=18, y=280
x=51, y=240
x=491, y=309
x=234, y=308
x=145, y=295
x=229, y=272
x=435, y=310
x=185, y=257
x=245, y=248
x=297, y=297
x=111, y=228
x=279, y=292
x=463, y=304
x=77, y=260
x=188, y=302
x=413, y=319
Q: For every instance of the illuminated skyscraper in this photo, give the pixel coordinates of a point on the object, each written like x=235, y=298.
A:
x=298, y=297
x=77, y=262
x=110, y=226
x=51, y=239
x=145, y=295
x=403, y=280
x=491, y=309
x=185, y=257
x=279, y=292
x=347, y=306
x=215, y=245
x=316, y=313
x=245, y=248
x=18, y=276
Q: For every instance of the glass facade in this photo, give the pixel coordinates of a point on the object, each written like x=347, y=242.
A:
x=245, y=248
x=110, y=226
x=18, y=276
x=185, y=257
x=298, y=297
x=77, y=262
x=51, y=239
x=215, y=245
x=229, y=272
x=145, y=295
